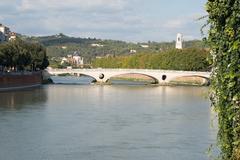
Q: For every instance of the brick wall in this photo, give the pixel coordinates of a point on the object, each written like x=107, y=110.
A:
x=18, y=80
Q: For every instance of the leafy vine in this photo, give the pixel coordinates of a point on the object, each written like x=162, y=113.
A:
x=224, y=39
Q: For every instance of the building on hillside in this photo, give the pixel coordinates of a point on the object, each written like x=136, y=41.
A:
x=12, y=36
x=77, y=60
x=144, y=46
x=64, y=47
x=99, y=57
x=69, y=56
x=64, y=60
x=97, y=45
x=179, y=42
x=133, y=51
x=109, y=55
x=6, y=34
x=2, y=37
x=74, y=59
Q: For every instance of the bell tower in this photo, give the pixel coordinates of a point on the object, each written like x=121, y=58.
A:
x=179, y=42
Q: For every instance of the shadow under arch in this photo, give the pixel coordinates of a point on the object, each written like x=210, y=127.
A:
x=94, y=80
x=191, y=80
x=73, y=78
x=134, y=77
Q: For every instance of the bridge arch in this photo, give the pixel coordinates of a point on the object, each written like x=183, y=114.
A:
x=190, y=79
x=89, y=75
x=134, y=75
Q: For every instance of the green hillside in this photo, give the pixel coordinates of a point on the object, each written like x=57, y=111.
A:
x=61, y=45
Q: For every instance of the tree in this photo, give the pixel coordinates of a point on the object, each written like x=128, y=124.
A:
x=224, y=39
x=190, y=59
x=19, y=55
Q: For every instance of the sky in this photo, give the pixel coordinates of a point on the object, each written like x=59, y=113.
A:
x=127, y=20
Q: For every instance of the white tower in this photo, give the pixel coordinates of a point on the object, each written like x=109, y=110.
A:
x=179, y=42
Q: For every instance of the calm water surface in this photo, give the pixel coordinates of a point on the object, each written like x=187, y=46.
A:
x=114, y=122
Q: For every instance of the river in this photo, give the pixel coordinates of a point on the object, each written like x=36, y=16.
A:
x=74, y=120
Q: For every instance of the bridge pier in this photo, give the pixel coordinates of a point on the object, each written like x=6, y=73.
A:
x=104, y=80
x=101, y=82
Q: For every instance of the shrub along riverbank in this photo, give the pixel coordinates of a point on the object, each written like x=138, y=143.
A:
x=192, y=59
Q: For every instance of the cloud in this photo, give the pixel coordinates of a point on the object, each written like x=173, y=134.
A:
x=175, y=23
x=77, y=17
x=189, y=37
x=56, y=5
x=81, y=25
x=131, y=20
x=4, y=2
x=181, y=21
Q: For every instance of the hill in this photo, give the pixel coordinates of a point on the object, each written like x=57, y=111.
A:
x=61, y=45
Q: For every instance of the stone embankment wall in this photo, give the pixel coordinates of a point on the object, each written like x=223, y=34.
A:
x=10, y=80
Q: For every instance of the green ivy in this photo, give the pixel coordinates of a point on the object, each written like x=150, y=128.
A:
x=224, y=39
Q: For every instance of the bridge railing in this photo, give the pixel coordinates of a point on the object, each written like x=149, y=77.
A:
x=124, y=70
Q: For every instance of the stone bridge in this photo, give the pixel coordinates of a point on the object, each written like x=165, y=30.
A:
x=160, y=76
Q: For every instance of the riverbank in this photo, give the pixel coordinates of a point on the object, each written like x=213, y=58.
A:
x=20, y=80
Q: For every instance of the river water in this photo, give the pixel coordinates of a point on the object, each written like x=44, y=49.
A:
x=111, y=122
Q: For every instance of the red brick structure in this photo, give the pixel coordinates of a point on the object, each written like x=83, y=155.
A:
x=12, y=81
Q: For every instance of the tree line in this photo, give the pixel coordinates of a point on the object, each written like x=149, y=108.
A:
x=191, y=59
x=19, y=55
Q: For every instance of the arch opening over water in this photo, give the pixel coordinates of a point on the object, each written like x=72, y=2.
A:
x=93, y=79
x=133, y=77
x=191, y=80
x=78, y=79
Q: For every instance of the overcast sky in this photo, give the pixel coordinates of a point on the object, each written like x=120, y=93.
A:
x=129, y=20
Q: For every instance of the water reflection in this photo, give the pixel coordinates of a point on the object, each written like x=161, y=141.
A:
x=16, y=100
